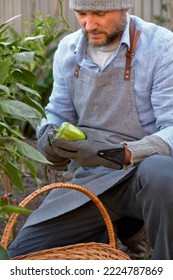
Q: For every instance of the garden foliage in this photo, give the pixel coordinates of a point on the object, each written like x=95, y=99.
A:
x=25, y=84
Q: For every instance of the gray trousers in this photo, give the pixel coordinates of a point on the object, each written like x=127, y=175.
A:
x=146, y=195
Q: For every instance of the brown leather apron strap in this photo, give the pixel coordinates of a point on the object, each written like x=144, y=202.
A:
x=76, y=71
x=134, y=36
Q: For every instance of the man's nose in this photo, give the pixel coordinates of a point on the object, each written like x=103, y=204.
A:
x=90, y=23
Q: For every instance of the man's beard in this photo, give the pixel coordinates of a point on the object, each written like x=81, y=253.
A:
x=110, y=38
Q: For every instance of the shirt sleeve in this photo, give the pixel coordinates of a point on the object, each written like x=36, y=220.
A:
x=161, y=141
x=162, y=93
x=60, y=107
x=146, y=147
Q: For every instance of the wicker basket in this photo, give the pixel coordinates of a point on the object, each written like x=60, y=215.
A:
x=82, y=251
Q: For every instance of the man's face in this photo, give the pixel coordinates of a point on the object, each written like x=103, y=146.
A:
x=102, y=28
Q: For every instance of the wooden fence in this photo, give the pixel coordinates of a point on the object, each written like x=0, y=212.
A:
x=146, y=9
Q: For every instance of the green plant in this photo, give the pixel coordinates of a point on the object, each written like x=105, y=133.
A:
x=42, y=40
x=18, y=104
x=3, y=254
x=53, y=28
x=25, y=83
x=26, y=69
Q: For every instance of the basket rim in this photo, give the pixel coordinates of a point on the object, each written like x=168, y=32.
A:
x=80, y=251
x=13, y=218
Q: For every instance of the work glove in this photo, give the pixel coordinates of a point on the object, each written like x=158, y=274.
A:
x=44, y=146
x=92, y=152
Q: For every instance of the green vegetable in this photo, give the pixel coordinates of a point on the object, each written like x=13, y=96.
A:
x=68, y=131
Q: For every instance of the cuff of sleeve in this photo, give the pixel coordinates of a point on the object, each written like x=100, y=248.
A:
x=146, y=147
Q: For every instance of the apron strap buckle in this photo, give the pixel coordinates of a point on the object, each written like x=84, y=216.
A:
x=130, y=53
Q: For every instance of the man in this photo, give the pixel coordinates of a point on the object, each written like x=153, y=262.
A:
x=114, y=79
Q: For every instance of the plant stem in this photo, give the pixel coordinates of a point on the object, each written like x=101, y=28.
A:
x=62, y=15
x=6, y=183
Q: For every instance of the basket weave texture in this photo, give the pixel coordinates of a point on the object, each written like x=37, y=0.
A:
x=81, y=251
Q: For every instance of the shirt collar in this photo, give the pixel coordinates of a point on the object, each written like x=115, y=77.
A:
x=126, y=34
x=81, y=46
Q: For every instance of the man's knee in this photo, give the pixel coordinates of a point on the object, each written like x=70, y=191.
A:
x=156, y=174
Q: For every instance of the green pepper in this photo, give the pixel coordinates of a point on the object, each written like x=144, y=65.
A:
x=68, y=131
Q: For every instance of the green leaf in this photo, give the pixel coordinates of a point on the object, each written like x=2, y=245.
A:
x=5, y=25
x=33, y=171
x=5, y=44
x=19, y=110
x=34, y=104
x=39, y=183
x=31, y=167
x=11, y=19
x=4, y=70
x=27, y=89
x=15, y=209
x=4, y=88
x=13, y=131
x=24, y=76
x=13, y=173
x=3, y=28
x=3, y=39
x=29, y=151
x=10, y=45
x=27, y=57
x=3, y=254
x=34, y=38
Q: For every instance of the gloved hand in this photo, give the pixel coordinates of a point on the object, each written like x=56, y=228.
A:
x=94, y=151
x=44, y=146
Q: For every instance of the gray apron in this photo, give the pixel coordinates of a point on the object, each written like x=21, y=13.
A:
x=104, y=101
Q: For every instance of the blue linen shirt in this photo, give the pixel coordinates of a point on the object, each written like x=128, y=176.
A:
x=153, y=77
